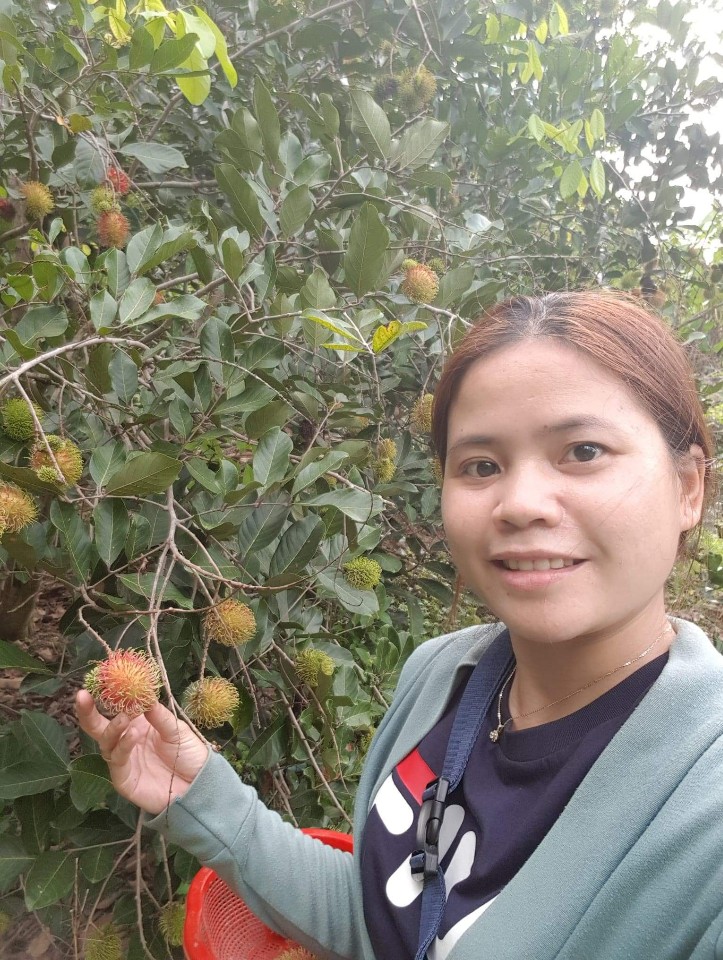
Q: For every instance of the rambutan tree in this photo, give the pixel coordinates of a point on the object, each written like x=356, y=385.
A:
x=236, y=243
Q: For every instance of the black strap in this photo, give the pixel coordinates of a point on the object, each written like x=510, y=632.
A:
x=478, y=694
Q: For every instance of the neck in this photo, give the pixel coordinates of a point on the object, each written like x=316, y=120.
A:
x=550, y=671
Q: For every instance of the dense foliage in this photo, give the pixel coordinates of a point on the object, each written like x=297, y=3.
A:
x=215, y=359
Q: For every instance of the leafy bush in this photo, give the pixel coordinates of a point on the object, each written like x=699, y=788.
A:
x=215, y=358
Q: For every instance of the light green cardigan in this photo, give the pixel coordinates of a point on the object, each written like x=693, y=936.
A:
x=631, y=870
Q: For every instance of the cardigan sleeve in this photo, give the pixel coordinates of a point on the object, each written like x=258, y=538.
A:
x=298, y=886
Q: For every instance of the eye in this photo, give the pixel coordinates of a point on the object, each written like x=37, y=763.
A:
x=585, y=452
x=482, y=469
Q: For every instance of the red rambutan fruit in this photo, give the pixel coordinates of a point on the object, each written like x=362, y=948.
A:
x=113, y=229
x=120, y=180
x=128, y=681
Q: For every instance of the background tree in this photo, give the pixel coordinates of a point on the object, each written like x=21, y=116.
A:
x=237, y=243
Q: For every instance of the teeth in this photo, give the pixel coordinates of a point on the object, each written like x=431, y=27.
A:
x=553, y=563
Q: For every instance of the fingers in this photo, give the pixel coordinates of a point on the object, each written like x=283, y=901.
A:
x=88, y=717
x=168, y=726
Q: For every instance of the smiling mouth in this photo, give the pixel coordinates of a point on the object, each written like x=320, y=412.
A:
x=548, y=563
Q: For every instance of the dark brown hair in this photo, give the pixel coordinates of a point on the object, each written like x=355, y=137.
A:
x=628, y=340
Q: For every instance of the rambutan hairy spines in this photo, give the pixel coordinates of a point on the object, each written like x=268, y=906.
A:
x=420, y=284
x=103, y=943
x=38, y=199
x=421, y=416
x=17, y=508
x=67, y=455
x=312, y=664
x=171, y=920
x=127, y=681
x=103, y=199
x=17, y=419
x=113, y=229
x=387, y=448
x=211, y=701
x=363, y=573
x=295, y=953
x=7, y=209
x=230, y=623
x=120, y=181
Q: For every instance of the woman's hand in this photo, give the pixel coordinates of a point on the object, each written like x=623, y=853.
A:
x=152, y=758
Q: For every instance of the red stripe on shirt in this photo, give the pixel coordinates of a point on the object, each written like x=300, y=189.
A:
x=415, y=774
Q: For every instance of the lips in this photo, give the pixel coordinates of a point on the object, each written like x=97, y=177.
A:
x=536, y=563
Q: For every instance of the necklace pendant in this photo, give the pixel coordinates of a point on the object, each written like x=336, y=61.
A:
x=495, y=735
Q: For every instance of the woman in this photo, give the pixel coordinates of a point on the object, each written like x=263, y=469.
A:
x=588, y=817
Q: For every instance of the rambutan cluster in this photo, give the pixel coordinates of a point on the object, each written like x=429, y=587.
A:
x=363, y=573
x=67, y=456
x=412, y=91
x=112, y=225
x=127, y=681
x=230, y=623
x=421, y=283
x=384, y=465
x=103, y=943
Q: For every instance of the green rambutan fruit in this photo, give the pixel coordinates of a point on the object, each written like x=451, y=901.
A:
x=17, y=419
x=211, y=701
x=67, y=455
x=384, y=469
x=417, y=87
x=103, y=943
x=387, y=449
x=409, y=263
x=17, y=508
x=385, y=88
x=421, y=415
x=171, y=921
x=310, y=664
x=127, y=681
x=230, y=623
x=420, y=284
x=437, y=471
x=363, y=573
x=103, y=200
x=38, y=199
x=438, y=265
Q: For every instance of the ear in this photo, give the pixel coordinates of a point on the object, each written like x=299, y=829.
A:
x=691, y=473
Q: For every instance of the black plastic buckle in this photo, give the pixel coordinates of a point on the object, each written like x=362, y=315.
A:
x=424, y=861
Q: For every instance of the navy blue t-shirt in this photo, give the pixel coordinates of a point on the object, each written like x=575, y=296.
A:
x=512, y=793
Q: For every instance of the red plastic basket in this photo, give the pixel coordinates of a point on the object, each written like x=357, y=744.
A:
x=219, y=925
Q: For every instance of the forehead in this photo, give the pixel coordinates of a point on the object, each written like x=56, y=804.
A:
x=538, y=380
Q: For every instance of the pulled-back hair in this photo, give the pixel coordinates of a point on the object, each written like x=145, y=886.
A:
x=617, y=331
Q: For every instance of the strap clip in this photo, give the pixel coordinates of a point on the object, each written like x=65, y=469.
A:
x=424, y=861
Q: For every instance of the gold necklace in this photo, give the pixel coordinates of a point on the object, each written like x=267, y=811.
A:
x=495, y=734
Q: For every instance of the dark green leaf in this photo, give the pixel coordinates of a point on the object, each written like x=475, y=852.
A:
x=110, y=518
x=370, y=123
x=49, y=879
x=73, y=536
x=144, y=474
x=297, y=546
x=244, y=202
x=89, y=782
x=271, y=459
x=13, y=658
x=368, y=241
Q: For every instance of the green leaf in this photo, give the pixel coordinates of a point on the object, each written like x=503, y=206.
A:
x=262, y=526
x=123, y=375
x=244, y=202
x=297, y=546
x=597, y=124
x=106, y=460
x=111, y=523
x=30, y=776
x=317, y=293
x=307, y=475
x=142, y=584
x=40, y=323
x=143, y=245
x=116, y=267
x=364, y=603
x=136, y=300
x=558, y=21
x=271, y=459
x=13, y=658
x=147, y=473
x=73, y=536
x=14, y=860
x=49, y=879
x=336, y=326
x=221, y=49
x=355, y=504
x=97, y=864
x=268, y=119
x=172, y=53
x=295, y=209
x=597, y=177
x=35, y=814
x=103, y=310
x=419, y=143
x=364, y=258
x=536, y=128
x=571, y=178
x=155, y=157
x=141, y=50
x=46, y=737
x=216, y=340
x=89, y=782
x=371, y=124
x=174, y=242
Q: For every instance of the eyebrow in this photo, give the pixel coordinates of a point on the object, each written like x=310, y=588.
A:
x=572, y=423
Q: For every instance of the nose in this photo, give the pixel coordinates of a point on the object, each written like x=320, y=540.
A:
x=527, y=494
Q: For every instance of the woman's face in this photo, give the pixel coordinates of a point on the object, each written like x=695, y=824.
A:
x=561, y=503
